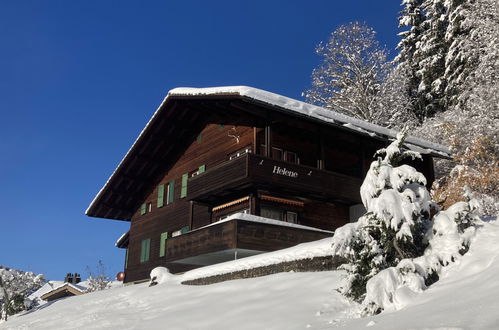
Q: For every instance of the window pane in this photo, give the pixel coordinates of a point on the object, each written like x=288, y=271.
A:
x=276, y=153
x=291, y=157
x=292, y=217
x=271, y=213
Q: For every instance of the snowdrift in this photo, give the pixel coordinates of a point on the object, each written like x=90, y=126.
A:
x=466, y=297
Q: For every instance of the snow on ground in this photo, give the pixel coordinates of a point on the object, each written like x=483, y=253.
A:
x=466, y=297
x=281, y=301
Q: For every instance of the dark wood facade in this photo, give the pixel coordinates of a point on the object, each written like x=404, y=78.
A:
x=201, y=159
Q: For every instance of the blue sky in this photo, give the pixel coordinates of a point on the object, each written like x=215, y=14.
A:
x=80, y=79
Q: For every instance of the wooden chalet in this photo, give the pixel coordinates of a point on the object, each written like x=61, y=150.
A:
x=213, y=165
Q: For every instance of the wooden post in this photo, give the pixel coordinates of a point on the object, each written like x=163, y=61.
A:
x=254, y=204
x=322, y=152
x=268, y=141
x=256, y=147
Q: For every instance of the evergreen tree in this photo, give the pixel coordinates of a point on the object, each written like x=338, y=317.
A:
x=398, y=213
x=430, y=56
x=470, y=126
x=412, y=17
x=462, y=57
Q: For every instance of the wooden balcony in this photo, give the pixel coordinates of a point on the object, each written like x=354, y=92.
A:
x=235, y=238
x=251, y=172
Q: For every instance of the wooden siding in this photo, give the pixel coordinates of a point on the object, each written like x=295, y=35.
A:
x=209, y=239
x=328, y=193
x=211, y=149
x=267, y=237
x=240, y=234
x=259, y=173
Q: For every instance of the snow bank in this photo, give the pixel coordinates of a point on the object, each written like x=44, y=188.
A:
x=465, y=297
x=160, y=275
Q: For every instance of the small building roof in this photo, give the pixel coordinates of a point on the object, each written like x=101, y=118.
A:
x=63, y=290
x=163, y=135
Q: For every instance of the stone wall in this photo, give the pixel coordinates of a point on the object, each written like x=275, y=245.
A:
x=316, y=264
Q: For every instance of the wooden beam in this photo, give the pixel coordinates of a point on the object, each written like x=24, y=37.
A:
x=268, y=141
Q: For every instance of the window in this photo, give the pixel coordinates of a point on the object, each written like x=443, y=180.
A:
x=281, y=154
x=277, y=153
x=161, y=195
x=144, y=250
x=169, y=192
x=291, y=217
x=183, y=189
x=162, y=244
x=145, y=208
x=239, y=153
x=200, y=170
x=291, y=157
x=271, y=213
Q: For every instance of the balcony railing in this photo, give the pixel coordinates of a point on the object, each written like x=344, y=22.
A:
x=238, y=234
x=254, y=171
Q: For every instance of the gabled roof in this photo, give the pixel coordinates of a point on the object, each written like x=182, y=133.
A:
x=164, y=135
x=62, y=290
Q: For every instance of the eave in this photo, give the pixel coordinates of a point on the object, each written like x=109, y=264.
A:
x=182, y=114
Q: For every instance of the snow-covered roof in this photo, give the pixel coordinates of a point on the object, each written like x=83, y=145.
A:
x=52, y=286
x=280, y=103
x=312, y=111
x=122, y=238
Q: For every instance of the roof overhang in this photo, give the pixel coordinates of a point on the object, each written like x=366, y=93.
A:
x=165, y=136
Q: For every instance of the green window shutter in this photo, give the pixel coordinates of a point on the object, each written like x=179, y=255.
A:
x=202, y=168
x=143, y=209
x=162, y=244
x=148, y=248
x=171, y=187
x=144, y=250
x=184, y=230
x=183, y=190
x=161, y=195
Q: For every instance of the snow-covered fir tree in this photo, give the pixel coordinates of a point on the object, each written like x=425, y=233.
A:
x=461, y=57
x=398, y=214
x=470, y=126
x=412, y=17
x=397, y=247
x=448, y=239
x=439, y=52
